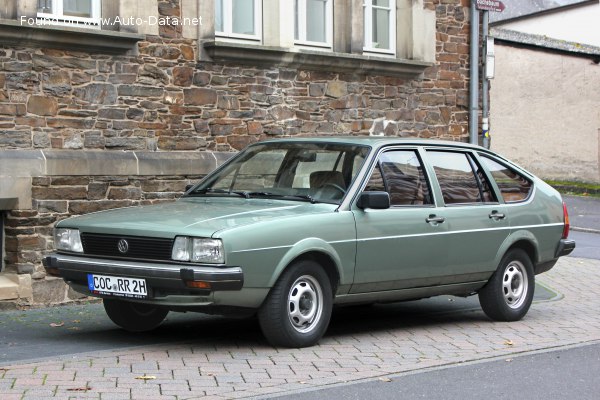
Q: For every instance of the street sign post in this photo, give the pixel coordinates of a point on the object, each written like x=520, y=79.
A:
x=490, y=5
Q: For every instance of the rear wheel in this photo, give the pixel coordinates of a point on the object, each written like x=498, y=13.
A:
x=508, y=294
x=298, y=309
x=134, y=317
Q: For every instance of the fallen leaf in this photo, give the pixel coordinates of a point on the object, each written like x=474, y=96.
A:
x=76, y=321
x=508, y=342
x=385, y=379
x=145, y=377
x=80, y=389
x=508, y=360
x=57, y=325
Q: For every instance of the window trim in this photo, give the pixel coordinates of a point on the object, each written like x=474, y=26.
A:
x=228, y=33
x=499, y=194
x=471, y=158
x=301, y=40
x=57, y=18
x=368, y=8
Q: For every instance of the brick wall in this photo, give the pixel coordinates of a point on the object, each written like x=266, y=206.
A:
x=163, y=100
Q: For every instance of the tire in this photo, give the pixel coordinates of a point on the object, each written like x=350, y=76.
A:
x=134, y=317
x=508, y=294
x=297, y=310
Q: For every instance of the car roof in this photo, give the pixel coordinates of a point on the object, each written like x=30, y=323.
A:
x=377, y=141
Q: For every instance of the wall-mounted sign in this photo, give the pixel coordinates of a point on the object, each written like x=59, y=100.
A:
x=490, y=5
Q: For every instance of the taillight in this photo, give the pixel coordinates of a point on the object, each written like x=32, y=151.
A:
x=565, y=233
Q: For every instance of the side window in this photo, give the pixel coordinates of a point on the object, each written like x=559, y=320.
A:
x=457, y=179
x=401, y=172
x=513, y=186
x=240, y=19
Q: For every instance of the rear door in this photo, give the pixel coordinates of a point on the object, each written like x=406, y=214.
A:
x=477, y=222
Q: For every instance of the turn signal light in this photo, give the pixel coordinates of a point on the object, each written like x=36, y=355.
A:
x=197, y=284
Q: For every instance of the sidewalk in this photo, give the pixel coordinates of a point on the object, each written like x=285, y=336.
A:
x=366, y=348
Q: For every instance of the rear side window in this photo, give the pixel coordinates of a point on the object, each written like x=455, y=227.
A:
x=401, y=174
x=460, y=178
x=513, y=186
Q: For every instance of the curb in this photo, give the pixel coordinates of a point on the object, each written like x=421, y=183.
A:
x=587, y=230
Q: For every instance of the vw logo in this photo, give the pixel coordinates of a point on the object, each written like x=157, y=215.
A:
x=123, y=246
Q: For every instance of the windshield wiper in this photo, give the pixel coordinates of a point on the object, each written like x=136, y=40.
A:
x=283, y=196
x=219, y=191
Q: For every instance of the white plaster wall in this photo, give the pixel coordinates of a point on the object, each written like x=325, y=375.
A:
x=545, y=113
x=580, y=25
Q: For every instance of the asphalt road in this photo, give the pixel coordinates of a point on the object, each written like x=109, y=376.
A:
x=563, y=374
x=587, y=244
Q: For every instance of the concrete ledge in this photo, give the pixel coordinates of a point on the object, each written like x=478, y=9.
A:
x=32, y=163
x=14, y=33
x=313, y=60
x=17, y=163
x=67, y=162
x=13, y=287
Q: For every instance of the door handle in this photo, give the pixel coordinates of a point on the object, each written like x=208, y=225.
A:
x=434, y=218
x=495, y=215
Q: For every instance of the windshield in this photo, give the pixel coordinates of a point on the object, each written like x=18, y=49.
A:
x=316, y=172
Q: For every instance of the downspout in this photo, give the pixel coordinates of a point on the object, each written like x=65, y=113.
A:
x=474, y=78
x=485, y=86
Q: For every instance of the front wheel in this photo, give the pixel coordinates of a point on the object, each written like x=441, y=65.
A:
x=298, y=309
x=134, y=317
x=508, y=294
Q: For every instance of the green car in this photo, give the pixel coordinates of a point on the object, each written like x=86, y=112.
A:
x=289, y=228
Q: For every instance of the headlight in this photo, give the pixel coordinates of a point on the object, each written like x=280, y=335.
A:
x=198, y=250
x=67, y=239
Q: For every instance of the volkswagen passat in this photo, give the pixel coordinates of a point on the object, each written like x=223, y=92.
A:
x=288, y=228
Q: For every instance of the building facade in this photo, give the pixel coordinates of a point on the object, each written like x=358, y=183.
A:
x=112, y=103
x=545, y=98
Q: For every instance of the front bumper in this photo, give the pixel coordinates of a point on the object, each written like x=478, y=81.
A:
x=163, y=279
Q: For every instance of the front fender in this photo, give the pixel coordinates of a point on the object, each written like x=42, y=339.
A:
x=305, y=246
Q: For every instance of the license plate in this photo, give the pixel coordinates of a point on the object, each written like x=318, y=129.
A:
x=118, y=286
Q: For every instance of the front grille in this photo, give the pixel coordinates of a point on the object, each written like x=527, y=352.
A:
x=138, y=247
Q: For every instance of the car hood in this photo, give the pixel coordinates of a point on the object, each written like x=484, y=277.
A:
x=190, y=216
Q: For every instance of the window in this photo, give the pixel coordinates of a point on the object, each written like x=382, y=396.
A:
x=380, y=26
x=400, y=173
x=313, y=22
x=458, y=182
x=513, y=187
x=240, y=19
x=70, y=12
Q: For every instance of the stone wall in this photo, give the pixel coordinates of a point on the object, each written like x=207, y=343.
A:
x=161, y=99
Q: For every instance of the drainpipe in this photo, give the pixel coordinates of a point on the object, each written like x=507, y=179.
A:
x=474, y=78
x=485, y=85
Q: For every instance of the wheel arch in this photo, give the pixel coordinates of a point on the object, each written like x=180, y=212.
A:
x=315, y=250
x=523, y=240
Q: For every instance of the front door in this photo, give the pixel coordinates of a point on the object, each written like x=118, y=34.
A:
x=402, y=246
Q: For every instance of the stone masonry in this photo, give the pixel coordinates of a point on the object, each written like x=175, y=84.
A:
x=161, y=99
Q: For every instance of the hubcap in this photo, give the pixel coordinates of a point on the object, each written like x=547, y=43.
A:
x=305, y=304
x=515, y=284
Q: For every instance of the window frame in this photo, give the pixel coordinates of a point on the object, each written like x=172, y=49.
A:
x=506, y=165
x=228, y=33
x=57, y=17
x=473, y=162
x=301, y=27
x=426, y=177
x=368, y=8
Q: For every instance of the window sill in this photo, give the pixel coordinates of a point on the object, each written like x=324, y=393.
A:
x=314, y=60
x=91, y=40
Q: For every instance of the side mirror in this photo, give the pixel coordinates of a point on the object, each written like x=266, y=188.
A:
x=375, y=200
